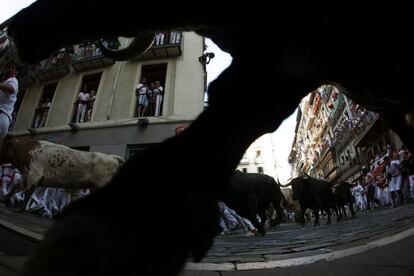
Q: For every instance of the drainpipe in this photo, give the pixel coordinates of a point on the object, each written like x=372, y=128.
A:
x=111, y=102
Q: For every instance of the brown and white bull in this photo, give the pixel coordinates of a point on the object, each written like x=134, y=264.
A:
x=47, y=164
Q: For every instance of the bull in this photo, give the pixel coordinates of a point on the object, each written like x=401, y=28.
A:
x=46, y=164
x=364, y=50
x=314, y=194
x=250, y=194
x=343, y=197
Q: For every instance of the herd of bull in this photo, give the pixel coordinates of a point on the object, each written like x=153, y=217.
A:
x=250, y=194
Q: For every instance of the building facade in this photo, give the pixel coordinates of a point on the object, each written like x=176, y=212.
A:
x=260, y=157
x=82, y=99
x=335, y=137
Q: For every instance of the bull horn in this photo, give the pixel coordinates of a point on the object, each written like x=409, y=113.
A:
x=286, y=185
x=140, y=44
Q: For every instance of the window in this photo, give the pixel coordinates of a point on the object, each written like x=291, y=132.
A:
x=258, y=153
x=83, y=108
x=260, y=169
x=43, y=106
x=151, y=95
x=244, y=170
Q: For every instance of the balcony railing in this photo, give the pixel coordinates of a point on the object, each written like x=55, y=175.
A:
x=364, y=124
x=54, y=67
x=349, y=168
x=88, y=56
x=338, y=111
x=82, y=111
x=166, y=45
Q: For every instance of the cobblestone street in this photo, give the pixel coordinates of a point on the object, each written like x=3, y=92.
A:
x=292, y=241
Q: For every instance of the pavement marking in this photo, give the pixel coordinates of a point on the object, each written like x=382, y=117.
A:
x=301, y=260
x=397, y=237
x=227, y=266
x=21, y=230
x=210, y=266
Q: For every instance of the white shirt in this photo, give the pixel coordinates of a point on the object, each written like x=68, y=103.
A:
x=7, y=100
x=393, y=168
x=142, y=90
x=83, y=96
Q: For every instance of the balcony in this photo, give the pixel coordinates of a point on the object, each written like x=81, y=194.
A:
x=166, y=45
x=364, y=124
x=26, y=81
x=54, y=67
x=88, y=56
x=338, y=111
x=349, y=168
x=343, y=139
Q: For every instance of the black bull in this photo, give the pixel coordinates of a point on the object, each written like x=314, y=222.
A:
x=250, y=194
x=314, y=194
x=365, y=49
x=343, y=197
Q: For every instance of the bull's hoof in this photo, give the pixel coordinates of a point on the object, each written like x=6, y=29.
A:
x=316, y=224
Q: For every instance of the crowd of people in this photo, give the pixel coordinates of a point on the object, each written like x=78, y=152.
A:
x=149, y=98
x=388, y=182
x=84, y=105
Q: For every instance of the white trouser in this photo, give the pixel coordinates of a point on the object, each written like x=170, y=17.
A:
x=411, y=179
x=4, y=124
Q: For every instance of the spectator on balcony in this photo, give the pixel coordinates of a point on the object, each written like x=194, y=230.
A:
x=38, y=114
x=9, y=87
x=142, y=99
x=151, y=99
x=45, y=111
x=175, y=37
x=82, y=104
x=159, y=38
x=91, y=101
x=158, y=96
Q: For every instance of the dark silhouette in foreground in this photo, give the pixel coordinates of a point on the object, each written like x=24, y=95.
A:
x=367, y=52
